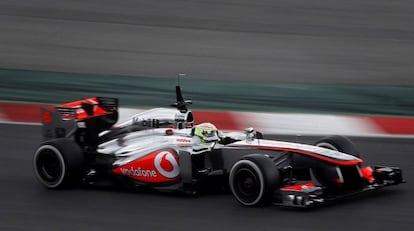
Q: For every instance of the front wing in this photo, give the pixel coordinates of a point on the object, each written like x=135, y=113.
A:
x=310, y=195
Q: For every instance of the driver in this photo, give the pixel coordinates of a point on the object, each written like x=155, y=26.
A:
x=207, y=133
x=205, y=136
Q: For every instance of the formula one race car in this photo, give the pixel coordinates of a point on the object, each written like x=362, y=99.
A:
x=162, y=149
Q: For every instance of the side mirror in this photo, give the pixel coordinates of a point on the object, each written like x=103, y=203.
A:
x=250, y=133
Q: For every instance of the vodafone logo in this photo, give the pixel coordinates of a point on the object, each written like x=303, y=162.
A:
x=166, y=164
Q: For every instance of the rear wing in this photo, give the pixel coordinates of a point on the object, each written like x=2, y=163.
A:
x=84, y=119
x=86, y=108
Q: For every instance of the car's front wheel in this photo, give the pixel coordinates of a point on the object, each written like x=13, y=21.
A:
x=252, y=180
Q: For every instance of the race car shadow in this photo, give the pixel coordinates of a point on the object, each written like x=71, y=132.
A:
x=201, y=191
x=383, y=196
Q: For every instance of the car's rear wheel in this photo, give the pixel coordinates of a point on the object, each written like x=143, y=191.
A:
x=58, y=163
x=252, y=181
x=338, y=143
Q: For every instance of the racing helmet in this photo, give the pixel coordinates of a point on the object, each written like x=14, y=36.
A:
x=207, y=132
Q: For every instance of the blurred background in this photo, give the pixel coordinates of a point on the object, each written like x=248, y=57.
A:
x=285, y=67
x=323, y=56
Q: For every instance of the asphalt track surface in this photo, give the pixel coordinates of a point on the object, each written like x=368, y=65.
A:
x=26, y=205
x=281, y=41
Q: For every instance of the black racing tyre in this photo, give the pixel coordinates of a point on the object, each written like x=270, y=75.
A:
x=253, y=179
x=338, y=143
x=58, y=163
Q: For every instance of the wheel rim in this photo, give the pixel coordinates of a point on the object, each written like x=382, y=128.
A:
x=49, y=166
x=247, y=185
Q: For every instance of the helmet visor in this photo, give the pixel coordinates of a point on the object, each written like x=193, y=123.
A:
x=210, y=136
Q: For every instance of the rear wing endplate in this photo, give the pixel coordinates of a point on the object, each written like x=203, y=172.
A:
x=92, y=115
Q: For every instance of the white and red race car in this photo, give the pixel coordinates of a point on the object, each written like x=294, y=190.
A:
x=156, y=149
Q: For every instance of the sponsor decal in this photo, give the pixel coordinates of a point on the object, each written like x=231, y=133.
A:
x=138, y=172
x=156, y=167
x=179, y=117
x=183, y=140
x=166, y=164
